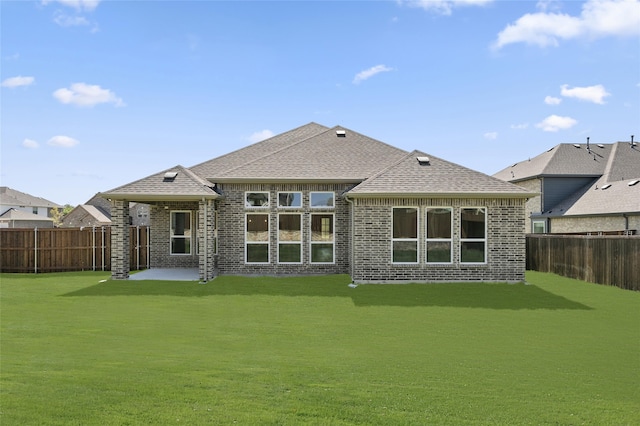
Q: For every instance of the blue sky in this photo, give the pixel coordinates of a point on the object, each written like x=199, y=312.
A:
x=96, y=94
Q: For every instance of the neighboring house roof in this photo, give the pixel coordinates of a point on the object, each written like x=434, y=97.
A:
x=601, y=198
x=561, y=160
x=12, y=197
x=421, y=174
x=19, y=215
x=330, y=156
x=80, y=212
x=176, y=183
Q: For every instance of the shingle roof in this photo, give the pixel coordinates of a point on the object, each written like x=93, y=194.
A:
x=12, y=197
x=561, y=160
x=437, y=178
x=598, y=198
x=185, y=186
x=14, y=214
x=325, y=156
x=224, y=163
x=95, y=212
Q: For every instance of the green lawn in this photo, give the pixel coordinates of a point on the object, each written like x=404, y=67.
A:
x=75, y=351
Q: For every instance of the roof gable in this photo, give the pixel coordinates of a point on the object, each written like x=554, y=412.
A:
x=337, y=154
x=176, y=183
x=421, y=174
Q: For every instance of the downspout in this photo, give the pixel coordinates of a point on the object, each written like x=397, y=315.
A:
x=351, y=231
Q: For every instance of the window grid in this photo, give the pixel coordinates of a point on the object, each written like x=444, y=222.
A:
x=257, y=239
x=289, y=238
x=180, y=233
x=322, y=240
x=404, y=237
x=473, y=235
x=439, y=235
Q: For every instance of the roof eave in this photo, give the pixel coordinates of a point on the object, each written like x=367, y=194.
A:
x=157, y=197
x=501, y=195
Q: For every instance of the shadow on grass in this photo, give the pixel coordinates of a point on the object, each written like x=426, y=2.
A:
x=463, y=295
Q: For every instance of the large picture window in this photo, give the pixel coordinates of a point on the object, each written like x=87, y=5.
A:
x=257, y=238
x=322, y=238
x=254, y=200
x=438, y=243
x=289, y=199
x=180, y=233
x=473, y=235
x=289, y=238
x=404, y=241
x=320, y=200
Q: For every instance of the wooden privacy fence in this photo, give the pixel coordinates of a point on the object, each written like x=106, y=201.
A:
x=67, y=249
x=610, y=260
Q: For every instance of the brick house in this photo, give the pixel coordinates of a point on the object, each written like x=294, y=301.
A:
x=582, y=188
x=319, y=200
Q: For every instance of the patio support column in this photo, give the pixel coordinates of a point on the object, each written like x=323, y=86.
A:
x=206, y=239
x=119, y=239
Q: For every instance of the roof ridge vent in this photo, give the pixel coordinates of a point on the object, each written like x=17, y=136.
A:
x=341, y=133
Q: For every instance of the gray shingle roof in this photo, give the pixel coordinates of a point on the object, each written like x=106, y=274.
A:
x=185, y=186
x=324, y=156
x=12, y=197
x=617, y=198
x=438, y=178
x=224, y=163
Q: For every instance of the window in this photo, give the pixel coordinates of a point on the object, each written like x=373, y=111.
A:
x=539, y=226
x=34, y=210
x=289, y=238
x=404, y=241
x=321, y=200
x=289, y=199
x=180, y=232
x=473, y=235
x=256, y=199
x=257, y=238
x=438, y=243
x=322, y=238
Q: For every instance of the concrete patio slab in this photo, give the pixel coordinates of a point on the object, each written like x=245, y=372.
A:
x=167, y=274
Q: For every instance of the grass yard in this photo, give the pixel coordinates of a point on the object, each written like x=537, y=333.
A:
x=75, y=351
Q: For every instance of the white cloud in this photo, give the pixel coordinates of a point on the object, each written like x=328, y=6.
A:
x=491, y=135
x=550, y=100
x=520, y=126
x=18, y=81
x=368, y=73
x=86, y=95
x=86, y=5
x=260, y=136
x=595, y=94
x=443, y=7
x=65, y=20
x=30, y=143
x=598, y=18
x=62, y=142
x=553, y=123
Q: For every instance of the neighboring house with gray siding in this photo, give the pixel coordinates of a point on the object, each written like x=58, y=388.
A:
x=584, y=188
x=319, y=200
x=22, y=210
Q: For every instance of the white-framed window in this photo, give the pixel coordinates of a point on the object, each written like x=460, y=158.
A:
x=289, y=199
x=473, y=235
x=539, y=226
x=404, y=238
x=256, y=200
x=256, y=238
x=439, y=243
x=289, y=238
x=322, y=200
x=180, y=232
x=322, y=238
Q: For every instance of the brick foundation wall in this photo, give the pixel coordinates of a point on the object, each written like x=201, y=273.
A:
x=505, y=242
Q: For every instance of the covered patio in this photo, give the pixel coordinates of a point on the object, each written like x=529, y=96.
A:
x=167, y=274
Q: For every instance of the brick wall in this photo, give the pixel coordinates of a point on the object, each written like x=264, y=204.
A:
x=120, y=239
x=160, y=236
x=505, y=242
x=231, y=230
x=534, y=204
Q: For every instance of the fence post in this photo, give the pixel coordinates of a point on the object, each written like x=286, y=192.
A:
x=93, y=249
x=35, y=250
x=103, y=251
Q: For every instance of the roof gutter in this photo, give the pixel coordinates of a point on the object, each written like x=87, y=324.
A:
x=501, y=195
x=156, y=197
